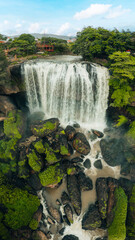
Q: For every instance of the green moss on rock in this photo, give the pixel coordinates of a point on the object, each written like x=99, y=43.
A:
x=8, y=149
x=33, y=224
x=13, y=125
x=34, y=161
x=117, y=230
x=63, y=150
x=51, y=175
x=70, y=170
x=20, y=206
x=4, y=233
x=39, y=147
x=46, y=127
x=50, y=155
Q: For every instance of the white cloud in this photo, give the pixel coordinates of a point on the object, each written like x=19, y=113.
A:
x=94, y=9
x=116, y=12
x=63, y=28
x=6, y=22
x=18, y=25
x=34, y=27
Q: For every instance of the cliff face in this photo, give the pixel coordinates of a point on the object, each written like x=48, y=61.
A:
x=12, y=90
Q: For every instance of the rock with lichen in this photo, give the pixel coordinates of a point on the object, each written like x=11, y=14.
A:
x=91, y=220
x=46, y=127
x=81, y=144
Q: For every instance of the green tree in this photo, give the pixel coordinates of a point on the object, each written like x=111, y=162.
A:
x=123, y=79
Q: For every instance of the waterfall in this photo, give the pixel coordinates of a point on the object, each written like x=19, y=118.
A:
x=67, y=90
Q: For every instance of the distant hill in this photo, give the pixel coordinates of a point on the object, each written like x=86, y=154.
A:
x=38, y=35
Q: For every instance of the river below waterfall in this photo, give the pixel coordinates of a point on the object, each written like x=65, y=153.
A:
x=74, y=91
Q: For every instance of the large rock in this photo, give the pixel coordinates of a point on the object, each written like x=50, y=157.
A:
x=97, y=133
x=85, y=182
x=112, y=151
x=91, y=219
x=81, y=144
x=43, y=128
x=55, y=213
x=69, y=213
x=102, y=196
x=112, y=185
x=70, y=132
x=74, y=193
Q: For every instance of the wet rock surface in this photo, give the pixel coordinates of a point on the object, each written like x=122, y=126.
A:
x=102, y=196
x=74, y=193
x=112, y=151
x=70, y=237
x=85, y=182
x=81, y=144
x=91, y=219
x=98, y=164
x=87, y=163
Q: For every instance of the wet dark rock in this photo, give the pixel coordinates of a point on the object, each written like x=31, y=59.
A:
x=85, y=182
x=70, y=132
x=53, y=229
x=87, y=163
x=46, y=127
x=61, y=232
x=112, y=184
x=34, y=182
x=81, y=144
x=91, y=219
x=39, y=235
x=126, y=184
x=77, y=160
x=65, y=198
x=125, y=168
x=21, y=234
x=97, y=133
x=55, y=213
x=74, y=193
x=98, y=164
x=102, y=196
x=69, y=213
x=112, y=151
x=66, y=221
x=70, y=237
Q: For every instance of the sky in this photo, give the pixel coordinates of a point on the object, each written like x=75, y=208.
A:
x=64, y=17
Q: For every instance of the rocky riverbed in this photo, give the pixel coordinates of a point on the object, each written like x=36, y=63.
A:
x=85, y=182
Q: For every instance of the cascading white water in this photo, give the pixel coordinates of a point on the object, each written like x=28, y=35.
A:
x=70, y=91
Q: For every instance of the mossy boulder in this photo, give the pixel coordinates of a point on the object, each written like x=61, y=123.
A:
x=43, y=128
x=51, y=175
x=34, y=161
x=8, y=149
x=50, y=154
x=91, y=219
x=39, y=146
x=117, y=230
x=85, y=182
x=20, y=206
x=81, y=144
x=14, y=125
